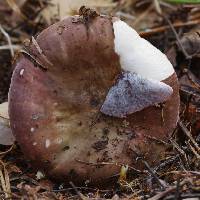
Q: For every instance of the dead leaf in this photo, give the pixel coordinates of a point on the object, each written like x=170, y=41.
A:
x=71, y=7
x=115, y=197
x=47, y=184
x=16, y=8
x=13, y=168
x=20, y=3
x=171, y=55
x=6, y=136
x=4, y=110
x=191, y=43
x=5, y=180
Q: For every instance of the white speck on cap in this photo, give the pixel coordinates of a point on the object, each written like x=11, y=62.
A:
x=47, y=143
x=32, y=129
x=55, y=104
x=21, y=72
x=138, y=55
x=34, y=143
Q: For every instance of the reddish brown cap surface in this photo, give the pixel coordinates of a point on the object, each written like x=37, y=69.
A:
x=55, y=115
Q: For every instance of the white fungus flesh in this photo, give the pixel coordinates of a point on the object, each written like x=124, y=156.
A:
x=138, y=55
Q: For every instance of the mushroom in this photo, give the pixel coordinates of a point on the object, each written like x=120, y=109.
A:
x=90, y=95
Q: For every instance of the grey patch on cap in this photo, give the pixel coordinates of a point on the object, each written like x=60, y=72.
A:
x=132, y=93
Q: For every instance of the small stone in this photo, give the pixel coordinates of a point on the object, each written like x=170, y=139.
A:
x=39, y=175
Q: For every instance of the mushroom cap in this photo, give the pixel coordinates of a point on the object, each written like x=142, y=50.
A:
x=54, y=112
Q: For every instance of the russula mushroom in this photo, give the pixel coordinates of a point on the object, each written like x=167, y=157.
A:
x=87, y=93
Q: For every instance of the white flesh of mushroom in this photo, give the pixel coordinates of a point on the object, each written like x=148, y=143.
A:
x=138, y=55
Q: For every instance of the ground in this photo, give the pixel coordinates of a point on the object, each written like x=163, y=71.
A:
x=174, y=29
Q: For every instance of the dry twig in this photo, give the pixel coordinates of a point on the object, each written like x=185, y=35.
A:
x=8, y=39
x=168, y=190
